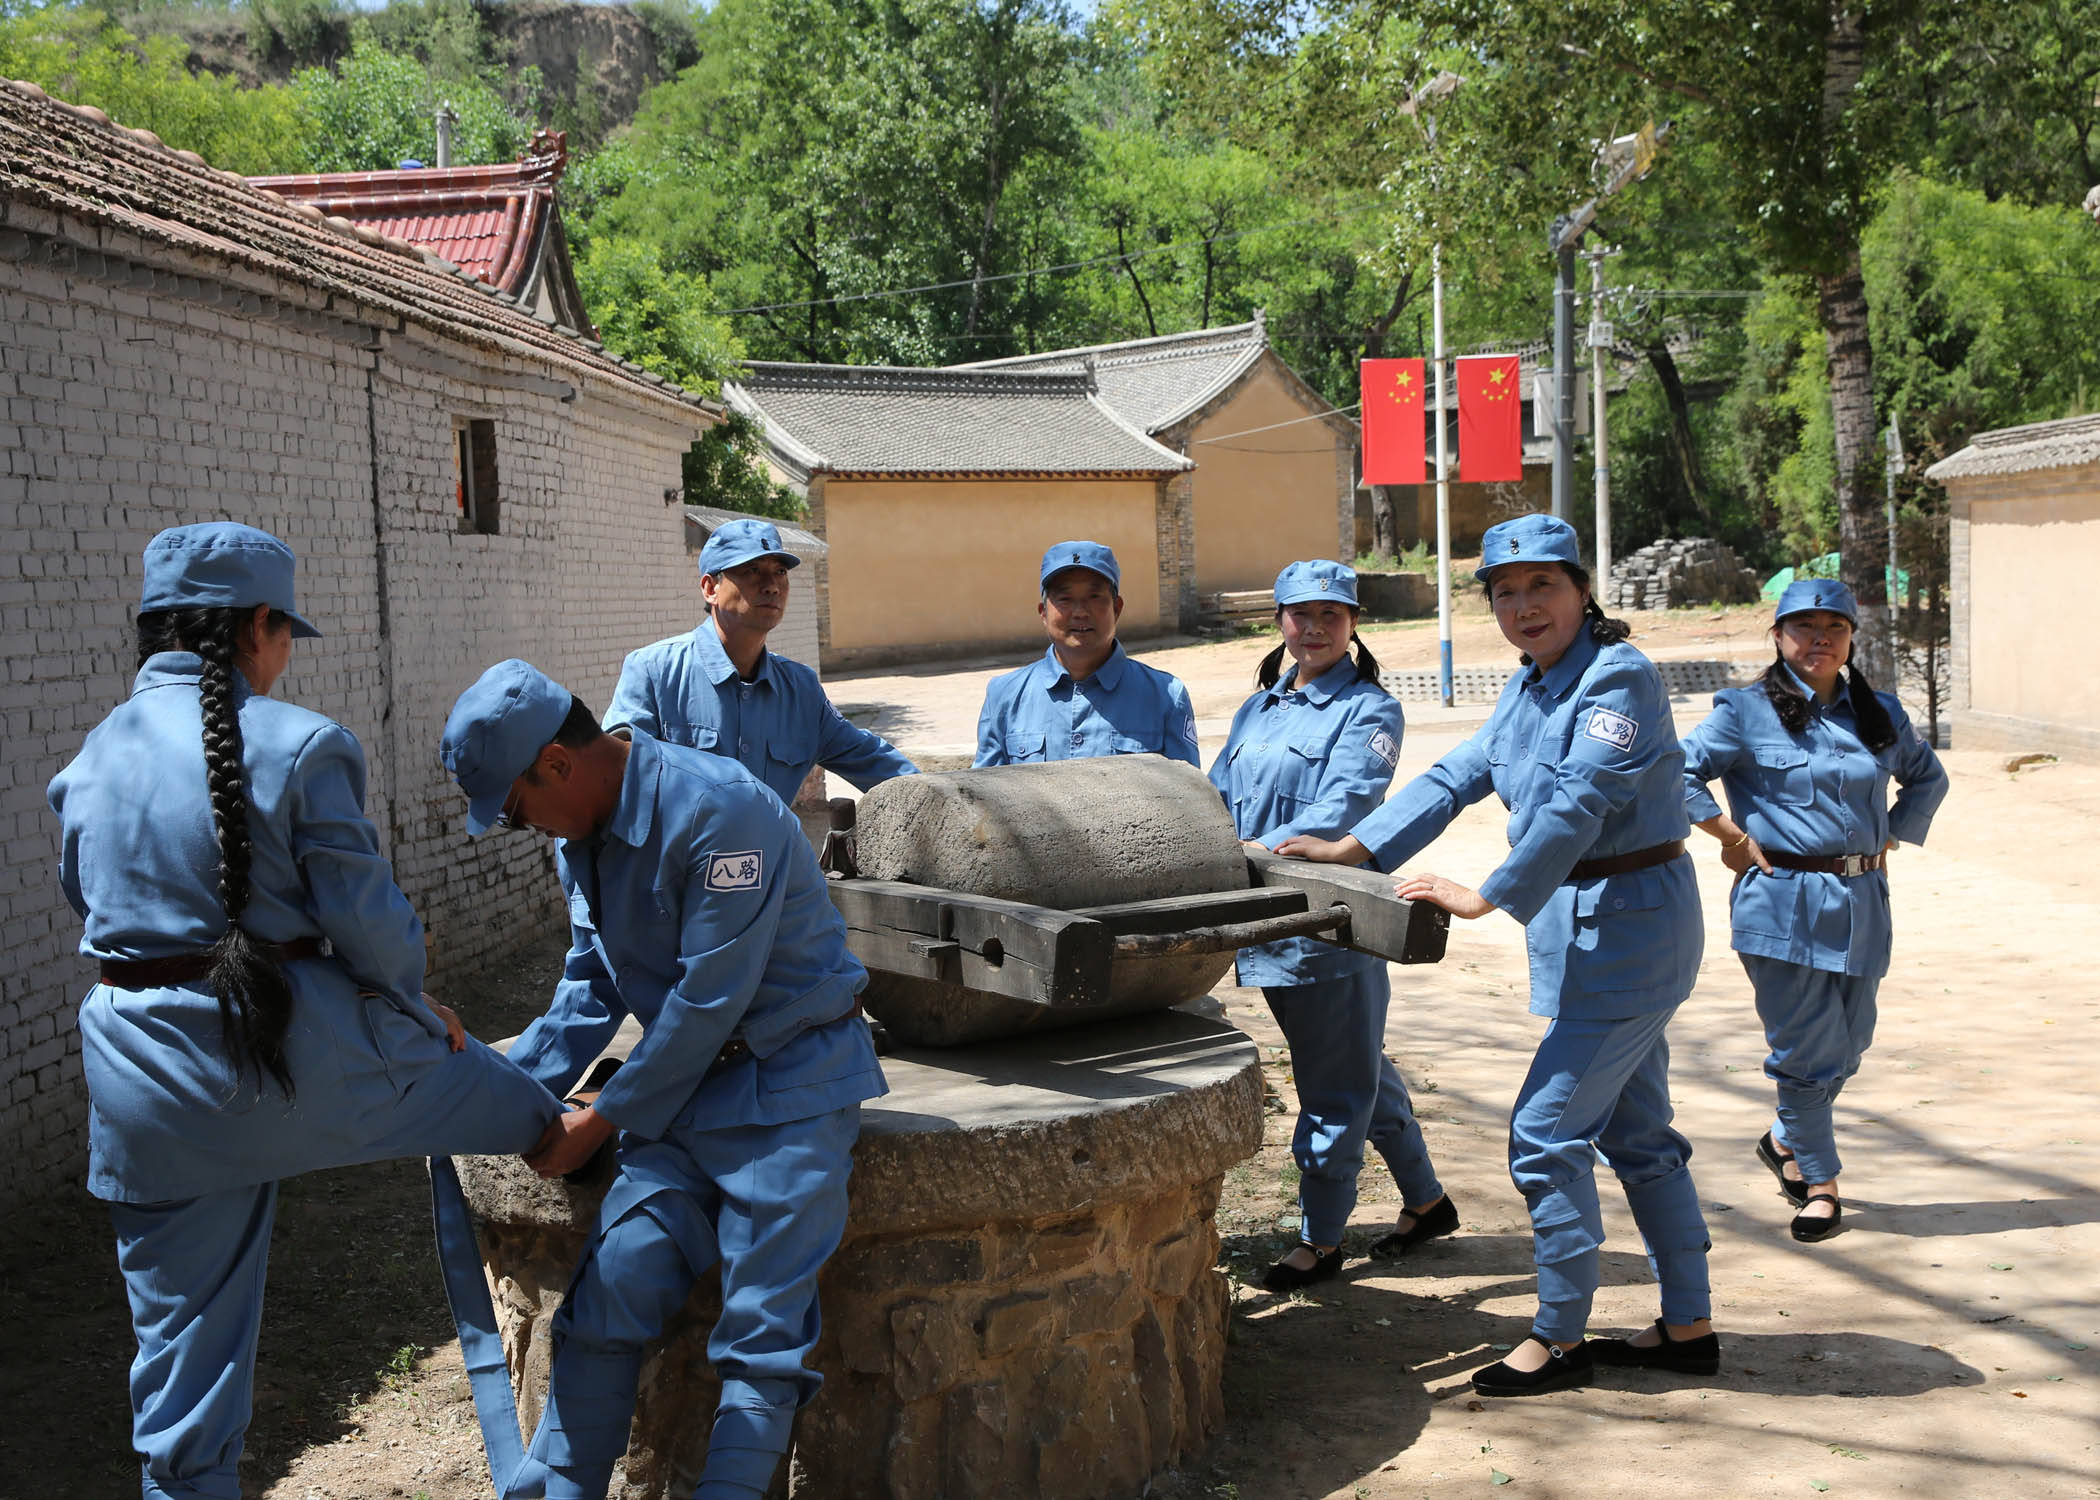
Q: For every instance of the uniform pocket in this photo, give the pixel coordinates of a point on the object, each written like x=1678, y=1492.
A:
x=1136, y=744
x=1613, y=895
x=1782, y=775
x=1021, y=748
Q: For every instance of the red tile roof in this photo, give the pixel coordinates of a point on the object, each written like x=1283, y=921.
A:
x=63, y=162
x=484, y=219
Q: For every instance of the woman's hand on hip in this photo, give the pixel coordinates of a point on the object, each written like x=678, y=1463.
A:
x=1741, y=856
x=1459, y=900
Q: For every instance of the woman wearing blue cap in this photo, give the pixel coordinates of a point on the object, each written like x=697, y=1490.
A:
x=1806, y=754
x=260, y=1011
x=1581, y=750
x=1311, y=754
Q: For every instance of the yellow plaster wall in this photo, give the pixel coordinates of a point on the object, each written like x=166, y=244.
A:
x=1263, y=499
x=917, y=563
x=2028, y=533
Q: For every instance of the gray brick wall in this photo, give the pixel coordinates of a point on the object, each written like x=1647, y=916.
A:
x=136, y=395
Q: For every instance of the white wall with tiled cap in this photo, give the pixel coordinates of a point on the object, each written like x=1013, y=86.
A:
x=135, y=394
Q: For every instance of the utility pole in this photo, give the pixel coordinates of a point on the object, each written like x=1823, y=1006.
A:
x=1630, y=158
x=1893, y=467
x=1600, y=350
x=1443, y=483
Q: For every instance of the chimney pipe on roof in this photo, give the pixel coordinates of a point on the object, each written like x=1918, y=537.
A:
x=446, y=119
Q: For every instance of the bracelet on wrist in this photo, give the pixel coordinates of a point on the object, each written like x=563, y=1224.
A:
x=1738, y=843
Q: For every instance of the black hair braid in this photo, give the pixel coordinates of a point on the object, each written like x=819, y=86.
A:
x=1787, y=700
x=255, y=999
x=1604, y=630
x=1876, y=729
x=1271, y=666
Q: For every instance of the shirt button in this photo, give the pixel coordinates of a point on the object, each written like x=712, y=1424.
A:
x=1618, y=903
x=743, y=747
x=1078, y=739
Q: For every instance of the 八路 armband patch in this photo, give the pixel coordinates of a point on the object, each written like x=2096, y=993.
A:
x=1613, y=729
x=742, y=871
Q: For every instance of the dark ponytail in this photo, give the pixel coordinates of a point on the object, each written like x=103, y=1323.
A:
x=255, y=999
x=1271, y=666
x=1877, y=731
x=1604, y=630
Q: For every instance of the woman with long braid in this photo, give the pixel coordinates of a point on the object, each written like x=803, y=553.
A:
x=260, y=1011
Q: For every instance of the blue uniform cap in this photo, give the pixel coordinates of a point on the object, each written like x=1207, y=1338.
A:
x=1092, y=556
x=1302, y=582
x=1527, y=539
x=746, y=539
x=1817, y=593
x=497, y=729
x=220, y=565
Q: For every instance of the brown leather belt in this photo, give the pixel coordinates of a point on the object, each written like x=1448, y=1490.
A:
x=1622, y=864
x=1847, y=865
x=188, y=968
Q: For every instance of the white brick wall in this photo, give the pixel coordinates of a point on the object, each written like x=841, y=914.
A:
x=135, y=396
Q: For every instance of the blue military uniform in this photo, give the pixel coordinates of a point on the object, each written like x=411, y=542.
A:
x=1586, y=759
x=1315, y=758
x=187, y=1149
x=699, y=910
x=1124, y=708
x=685, y=690
x=1815, y=943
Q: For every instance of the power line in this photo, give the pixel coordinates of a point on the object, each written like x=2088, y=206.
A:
x=1074, y=265
x=1339, y=411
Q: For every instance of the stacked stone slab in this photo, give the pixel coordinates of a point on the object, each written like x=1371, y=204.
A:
x=1691, y=570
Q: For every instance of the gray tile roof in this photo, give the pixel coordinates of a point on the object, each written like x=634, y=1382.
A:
x=2013, y=450
x=1160, y=381
x=881, y=419
x=701, y=521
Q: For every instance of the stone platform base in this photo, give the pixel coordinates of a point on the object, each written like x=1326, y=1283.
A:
x=1026, y=1302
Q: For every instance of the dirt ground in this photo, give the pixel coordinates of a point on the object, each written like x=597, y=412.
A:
x=1945, y=1343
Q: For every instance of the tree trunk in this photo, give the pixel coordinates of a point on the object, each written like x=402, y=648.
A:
x=1862, y=533
x=1385, y=522
x=1682, y=446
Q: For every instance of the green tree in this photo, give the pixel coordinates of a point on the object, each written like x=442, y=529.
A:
x=83, y=57
x=375, y=110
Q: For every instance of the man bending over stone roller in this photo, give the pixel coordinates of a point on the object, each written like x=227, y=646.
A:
x=696, y=906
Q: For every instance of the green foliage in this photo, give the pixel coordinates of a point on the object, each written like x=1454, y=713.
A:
x=83, y=57
x=726, y=468
x=659, y=319
x=294, y=28
x=375, y=111
x=674, y=29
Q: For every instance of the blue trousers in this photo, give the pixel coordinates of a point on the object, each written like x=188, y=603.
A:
x=768, y=1202
x=1818, y=1025
x=194, y=1267
x=1604, y=1086
x=1349, y=1093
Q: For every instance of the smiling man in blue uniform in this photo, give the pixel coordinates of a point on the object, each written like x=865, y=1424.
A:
x=718, y=688
x=1085, y=697
x=695, y=906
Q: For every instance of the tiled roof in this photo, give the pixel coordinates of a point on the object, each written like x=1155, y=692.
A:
x=2013, y=450
x=70, y=162
x=1160, y=381
x=703, y=519
x=483, y=219
x=879, y=419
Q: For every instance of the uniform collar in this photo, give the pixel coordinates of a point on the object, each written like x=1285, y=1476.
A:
x=168, y=668
x=1573, y=662
x=715, y=662
x=636, y=808
x=1839, y=699
x=1322, y=687
x=1109, y=674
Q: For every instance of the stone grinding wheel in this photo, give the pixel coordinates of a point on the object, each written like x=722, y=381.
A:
x=1068, y=834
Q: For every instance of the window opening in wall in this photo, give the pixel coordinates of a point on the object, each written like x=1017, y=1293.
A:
x=474, y=474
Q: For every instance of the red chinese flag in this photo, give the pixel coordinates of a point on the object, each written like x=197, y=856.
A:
x=1392, y=413
x=1490, y=420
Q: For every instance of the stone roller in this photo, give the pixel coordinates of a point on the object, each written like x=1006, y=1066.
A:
x=991, y=902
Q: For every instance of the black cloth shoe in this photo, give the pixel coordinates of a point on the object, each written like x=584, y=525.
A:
x=1435, y=1221
x=1768, y=1152
x=1564, y=1371
x=1284, y=1278
x=1808, y=1228
x=1699, y=1356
